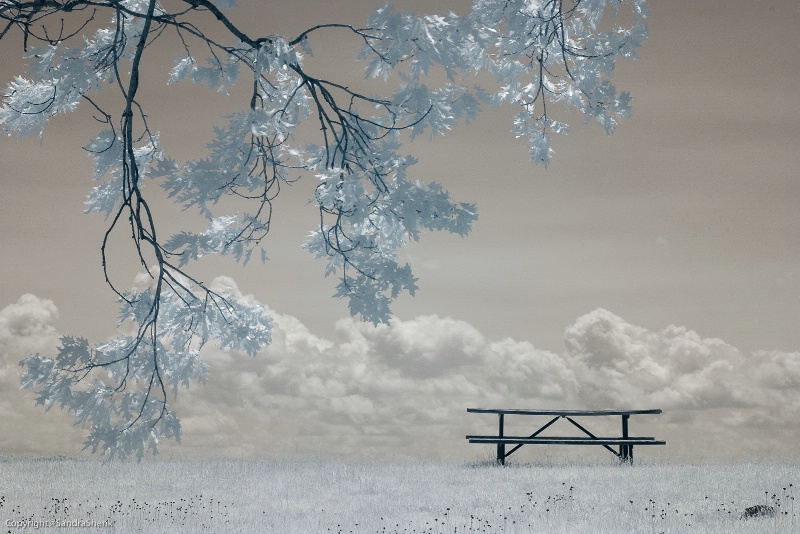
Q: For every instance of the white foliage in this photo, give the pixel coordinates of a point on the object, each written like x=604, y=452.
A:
x=106, y=149
x=537, y=54
x=124, y=409
x=180, y=70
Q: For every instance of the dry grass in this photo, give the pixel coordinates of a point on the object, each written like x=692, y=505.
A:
x=308, y=496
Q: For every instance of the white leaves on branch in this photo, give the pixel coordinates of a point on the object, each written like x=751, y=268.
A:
x=62, y=75
x=180, y=70
x=372, y=225
x=107, y=151
x=223, y=236
x=545, y=57
x=125, y=406
x=219, y=74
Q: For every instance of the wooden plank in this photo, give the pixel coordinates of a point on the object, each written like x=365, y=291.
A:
x=586, y=438
x=568, y=441
x=537, y=441
x=563, y=413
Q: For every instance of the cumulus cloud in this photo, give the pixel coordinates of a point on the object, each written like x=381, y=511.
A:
x=26, y=327
x=618, y=363
x=398, y=389
x=717, y=401
x=402, y=389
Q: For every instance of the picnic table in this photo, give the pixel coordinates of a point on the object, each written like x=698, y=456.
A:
x=625, y=442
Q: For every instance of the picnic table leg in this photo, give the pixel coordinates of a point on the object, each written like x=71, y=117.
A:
x=501, y=447
x=625, y=451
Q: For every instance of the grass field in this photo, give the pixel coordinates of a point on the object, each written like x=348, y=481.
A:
x=309, y=496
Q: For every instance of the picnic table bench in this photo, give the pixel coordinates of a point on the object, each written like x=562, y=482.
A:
x=625, y=442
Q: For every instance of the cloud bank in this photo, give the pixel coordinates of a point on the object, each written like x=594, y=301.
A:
x=401, y=390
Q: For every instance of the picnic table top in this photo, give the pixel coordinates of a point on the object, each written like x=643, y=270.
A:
x=566, y=413
x=567, y=441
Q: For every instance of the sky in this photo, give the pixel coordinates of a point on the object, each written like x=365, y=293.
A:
x=654, y=268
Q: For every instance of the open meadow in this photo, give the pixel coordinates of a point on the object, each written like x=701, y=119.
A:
x=343, y=496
